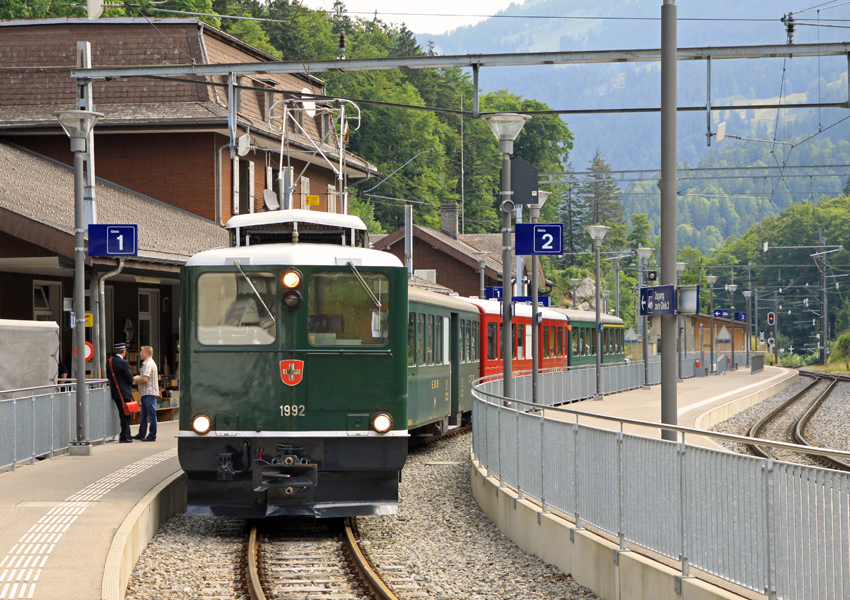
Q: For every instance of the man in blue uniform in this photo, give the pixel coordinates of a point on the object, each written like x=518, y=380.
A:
x=120, y=382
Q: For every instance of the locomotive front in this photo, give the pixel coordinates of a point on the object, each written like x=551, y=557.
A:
x=293, y=371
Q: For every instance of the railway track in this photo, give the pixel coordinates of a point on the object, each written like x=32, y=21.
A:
x=790, y=419
x=319, y=561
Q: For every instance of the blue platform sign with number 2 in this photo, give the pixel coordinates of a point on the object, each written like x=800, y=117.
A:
x=539, y=238
x=113, y=240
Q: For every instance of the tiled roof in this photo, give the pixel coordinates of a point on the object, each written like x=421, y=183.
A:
x=424, y=284
x=42, y=190
x=36, y=57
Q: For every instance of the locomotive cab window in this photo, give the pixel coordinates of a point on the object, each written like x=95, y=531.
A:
x=344, y=310
x=234, y=312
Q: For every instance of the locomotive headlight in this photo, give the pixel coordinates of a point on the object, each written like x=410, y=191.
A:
x=291, y=279
x=382, y=422
x=201, y=424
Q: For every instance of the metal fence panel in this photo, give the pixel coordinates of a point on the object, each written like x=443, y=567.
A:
x=651, y=492
x=725, y=504
x=528, y=455
x=559, y=452
x=597, y=482
x=812, y=529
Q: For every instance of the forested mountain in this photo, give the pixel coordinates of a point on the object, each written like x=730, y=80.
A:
x=709, y=212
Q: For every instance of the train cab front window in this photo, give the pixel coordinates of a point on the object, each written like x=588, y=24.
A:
x=347, y=310
x=234, y=312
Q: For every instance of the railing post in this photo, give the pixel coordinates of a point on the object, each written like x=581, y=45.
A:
x=32, y=428
x=620, y=497
x=518, y=486
x=683, y=538
x=542, y=464
x=770, y=558
x=575, y=475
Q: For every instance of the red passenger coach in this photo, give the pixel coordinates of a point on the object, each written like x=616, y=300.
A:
x=553, y=336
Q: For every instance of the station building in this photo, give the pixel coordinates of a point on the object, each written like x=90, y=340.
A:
x=163, y=160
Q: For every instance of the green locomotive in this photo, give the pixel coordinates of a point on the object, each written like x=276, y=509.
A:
x=293, y=371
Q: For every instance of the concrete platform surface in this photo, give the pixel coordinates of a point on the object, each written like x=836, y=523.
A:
x=695, y=397
x=58, y=517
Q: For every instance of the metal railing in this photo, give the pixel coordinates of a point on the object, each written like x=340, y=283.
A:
x=41, y=421
x=776, y=528
x=562, y=386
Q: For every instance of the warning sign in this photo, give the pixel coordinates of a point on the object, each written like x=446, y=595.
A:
x=312, y=200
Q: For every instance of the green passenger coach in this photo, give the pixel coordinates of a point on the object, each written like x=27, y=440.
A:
x=442, y=360
x=293, y=372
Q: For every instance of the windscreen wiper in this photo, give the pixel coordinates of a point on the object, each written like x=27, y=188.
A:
x=363, y=283
x=256, y=293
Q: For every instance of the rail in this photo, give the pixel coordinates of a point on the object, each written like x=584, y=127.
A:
x=732, y=516
x=41, y=421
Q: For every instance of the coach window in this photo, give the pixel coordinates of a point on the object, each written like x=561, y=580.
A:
x=560, y=341
x=520, y=341
x=476, y=342
x=429, y=340
x=470, y=342
x=438, y=340
x=411, y=339
x=545, y=341
x=463, y=342
x=492, y=341
x=231, y=313
x=341, y=311
x=420, y=340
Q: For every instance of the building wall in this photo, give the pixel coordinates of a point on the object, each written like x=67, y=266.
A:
x=451, y=272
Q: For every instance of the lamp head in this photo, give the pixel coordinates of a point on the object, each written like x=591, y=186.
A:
x=575, y=281
x=644, y=253
x=77, y=123
x=747, y=293
x=711, y=279
x=606, y=294
x=731, y=287
x=597, y=232
x=680, y=267
x=506, y=126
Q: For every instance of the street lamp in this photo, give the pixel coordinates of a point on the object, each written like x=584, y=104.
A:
x=534, y=215
x=597, y=232
x=747, y=294
x=506, y=127
x=78, y=124
x=731, y=287
x=711, y=279
x=606, y=294
x=575, y=281
x=680, y=268
x=643, y=255
x=482, y=264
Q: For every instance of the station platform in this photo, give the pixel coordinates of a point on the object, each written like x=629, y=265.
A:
x=702, y=402
x=59, y=516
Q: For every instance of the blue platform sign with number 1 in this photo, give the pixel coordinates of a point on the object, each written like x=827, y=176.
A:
x=539, y=238
x=113, y=240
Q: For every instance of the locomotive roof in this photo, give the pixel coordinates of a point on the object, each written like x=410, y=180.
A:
x=433, y=298
x=493, y=307
x=584, y=316
x=294, y=255
x=296, y=216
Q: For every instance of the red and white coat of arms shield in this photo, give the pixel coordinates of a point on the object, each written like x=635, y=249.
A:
x=291, y=371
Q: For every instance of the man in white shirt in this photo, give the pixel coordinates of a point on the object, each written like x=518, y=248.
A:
x=148, y=382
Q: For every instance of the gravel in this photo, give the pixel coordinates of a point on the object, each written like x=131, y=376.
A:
x=830, y=428
x=440, y=535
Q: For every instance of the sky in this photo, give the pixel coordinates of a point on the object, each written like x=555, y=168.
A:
x=434, y=16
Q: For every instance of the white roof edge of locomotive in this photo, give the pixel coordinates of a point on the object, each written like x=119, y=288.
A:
x=493, y=307
x=436, y=299
x=296, y=216
x=294, y=254
x=589, y=315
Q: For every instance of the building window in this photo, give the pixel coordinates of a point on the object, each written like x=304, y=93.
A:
x=305, y=190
